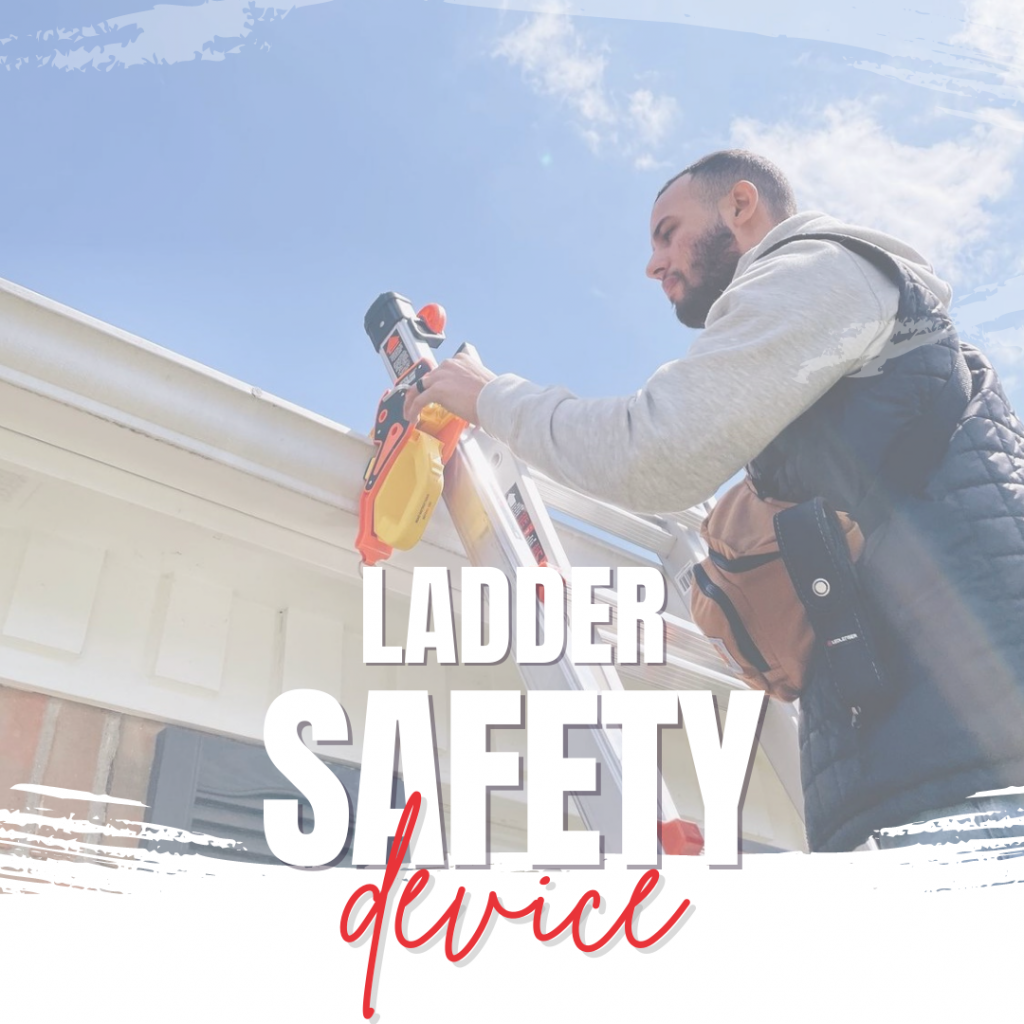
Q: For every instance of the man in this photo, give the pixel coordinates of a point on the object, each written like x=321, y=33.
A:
x=823, y=365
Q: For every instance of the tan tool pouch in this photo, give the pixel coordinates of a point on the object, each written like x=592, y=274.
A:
x=743, y=598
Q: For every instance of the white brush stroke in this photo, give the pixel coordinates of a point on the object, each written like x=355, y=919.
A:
x=960, y=823
x=43, y=850
x=30, y=822
x=39, y=850
x=164, y=34
x=75, y=794
x=1009, y=791
x=973, y=47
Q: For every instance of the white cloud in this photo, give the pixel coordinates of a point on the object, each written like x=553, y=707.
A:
x=934, y=197
x=992, y=317
x=652, y=116
x=996, y=29
x=557, y=62
x=646, y=162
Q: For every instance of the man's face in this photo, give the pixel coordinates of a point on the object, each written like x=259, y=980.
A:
x=694, y=254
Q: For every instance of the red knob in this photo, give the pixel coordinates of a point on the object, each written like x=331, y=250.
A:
x=434, y=316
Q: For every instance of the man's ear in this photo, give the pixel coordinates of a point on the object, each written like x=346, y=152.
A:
x=739, y=204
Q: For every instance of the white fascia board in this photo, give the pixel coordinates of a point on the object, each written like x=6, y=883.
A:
x=122, y=403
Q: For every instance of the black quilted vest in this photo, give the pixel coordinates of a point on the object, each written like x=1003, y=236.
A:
x=942, y=572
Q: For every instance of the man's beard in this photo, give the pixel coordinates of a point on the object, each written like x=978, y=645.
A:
x=715, y=256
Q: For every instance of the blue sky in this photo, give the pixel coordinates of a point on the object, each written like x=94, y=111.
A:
x=237, y=182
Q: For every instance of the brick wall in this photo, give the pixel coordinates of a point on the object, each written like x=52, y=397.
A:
x=51, y=741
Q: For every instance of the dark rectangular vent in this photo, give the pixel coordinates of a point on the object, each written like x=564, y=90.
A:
x=216, y=786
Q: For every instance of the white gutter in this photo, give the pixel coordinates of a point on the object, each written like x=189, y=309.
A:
x=71, y=360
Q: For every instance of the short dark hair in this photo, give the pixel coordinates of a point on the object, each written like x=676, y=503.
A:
x=713, y=175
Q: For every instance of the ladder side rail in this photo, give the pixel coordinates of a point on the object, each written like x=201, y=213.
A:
x=492, y=537
x=677, y=544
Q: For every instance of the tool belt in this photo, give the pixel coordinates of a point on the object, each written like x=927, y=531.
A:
x=780, y=576
x=780, y=584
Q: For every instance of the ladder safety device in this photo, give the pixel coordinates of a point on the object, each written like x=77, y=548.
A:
x=405, y=477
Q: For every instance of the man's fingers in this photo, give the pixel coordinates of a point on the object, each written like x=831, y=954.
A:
x=412, y=395
x=416, y=400
x=453, y=385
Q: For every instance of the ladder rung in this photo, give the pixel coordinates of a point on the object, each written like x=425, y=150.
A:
x=687, y=649
x=683, y=640
x=645, y=533
x=691, y=518
x=678, y=674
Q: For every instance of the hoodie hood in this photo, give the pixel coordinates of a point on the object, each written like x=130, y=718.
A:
x=813, y=222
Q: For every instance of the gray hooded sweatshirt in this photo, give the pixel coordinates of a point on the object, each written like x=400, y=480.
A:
x=786, y=330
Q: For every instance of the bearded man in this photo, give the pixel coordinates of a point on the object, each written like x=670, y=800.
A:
x=826, y=348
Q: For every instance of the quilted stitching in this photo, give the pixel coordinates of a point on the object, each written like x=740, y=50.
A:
x=947, y=574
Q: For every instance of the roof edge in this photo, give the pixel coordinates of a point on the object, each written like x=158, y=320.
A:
x=67, y=356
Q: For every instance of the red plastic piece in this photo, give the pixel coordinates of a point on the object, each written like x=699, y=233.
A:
x=434, y=316
x=680, y=837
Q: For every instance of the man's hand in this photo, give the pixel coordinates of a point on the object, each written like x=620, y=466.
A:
x=455, y=385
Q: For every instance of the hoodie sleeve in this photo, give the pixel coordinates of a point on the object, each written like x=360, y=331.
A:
x=781, y=335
